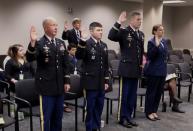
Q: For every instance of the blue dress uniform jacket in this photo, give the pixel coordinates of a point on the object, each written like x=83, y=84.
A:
x=50, y=75
x=94, y=64
x=157, y=58
x=131, y=46
x=71, y=36
x=156, y=70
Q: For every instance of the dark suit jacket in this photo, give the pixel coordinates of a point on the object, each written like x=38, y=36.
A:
x=71, y=36
x=50, y=76
x=157, y=58
x=131, y=47
x=94, y=64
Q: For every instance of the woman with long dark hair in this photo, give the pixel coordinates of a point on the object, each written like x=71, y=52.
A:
x=17, y=68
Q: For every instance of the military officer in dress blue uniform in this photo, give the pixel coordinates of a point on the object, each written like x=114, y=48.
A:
x=94, y=77
x=131, y=42
x=52, y=75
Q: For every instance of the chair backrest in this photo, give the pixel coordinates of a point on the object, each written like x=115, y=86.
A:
x=185, y=68
x=25, y=89
x=175, y=59
x=112, y=57
x=187, y=58
x=177, y=53
x=114, y=64
x=171, y=69
x=4, y=87
x=112, y=52
x=76, y=89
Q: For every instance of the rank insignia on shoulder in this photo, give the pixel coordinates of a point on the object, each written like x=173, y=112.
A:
x=129, y=37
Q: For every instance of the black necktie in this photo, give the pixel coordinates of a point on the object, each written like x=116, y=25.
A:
x=137, y=33
x=98, y=44
x=52, y=42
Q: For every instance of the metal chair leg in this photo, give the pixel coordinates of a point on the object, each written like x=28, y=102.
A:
x=107, y=112
x=76, y=116
x=111, y=107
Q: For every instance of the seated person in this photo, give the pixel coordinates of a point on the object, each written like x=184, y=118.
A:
x=72, y=58
x=172, y=87
x=17, y=68
x=73, y=68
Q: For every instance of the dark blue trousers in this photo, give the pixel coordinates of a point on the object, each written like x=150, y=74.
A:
x=155, y=88
x=51, y=111
x=95, y=103
x=127, y=98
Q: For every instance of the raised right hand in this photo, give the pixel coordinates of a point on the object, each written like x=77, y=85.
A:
x=122, y=17
x=33, y=36
x=66, y=26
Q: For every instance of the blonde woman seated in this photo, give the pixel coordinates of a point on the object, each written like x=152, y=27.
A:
x=171, y=85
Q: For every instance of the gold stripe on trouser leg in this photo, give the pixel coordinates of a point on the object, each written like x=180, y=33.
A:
x=120, y=98
x=41, y=114
x=84, y=95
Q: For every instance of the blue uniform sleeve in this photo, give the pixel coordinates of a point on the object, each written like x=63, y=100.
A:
x=152, y=51
x=81, y=50
x=114, y=33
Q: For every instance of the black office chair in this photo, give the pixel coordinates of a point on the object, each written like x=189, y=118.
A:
x=188, y=58
x=113, y=53
x=8, y=121
x=185, y=79
x=2, y=57
x=27, y=99
x=141, y=92
x=113, y=93
x=72, y=97
x=178, y=53
x=110, y=96
x=114, y=64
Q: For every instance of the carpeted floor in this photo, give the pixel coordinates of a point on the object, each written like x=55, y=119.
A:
x=170, y=121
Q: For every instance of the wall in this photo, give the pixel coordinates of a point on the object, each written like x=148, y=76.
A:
x=168, y=22
x=152, y=12
x=16, y=17
x=183, y=27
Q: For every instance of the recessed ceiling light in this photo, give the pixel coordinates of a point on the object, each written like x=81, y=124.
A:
x=173, y=1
